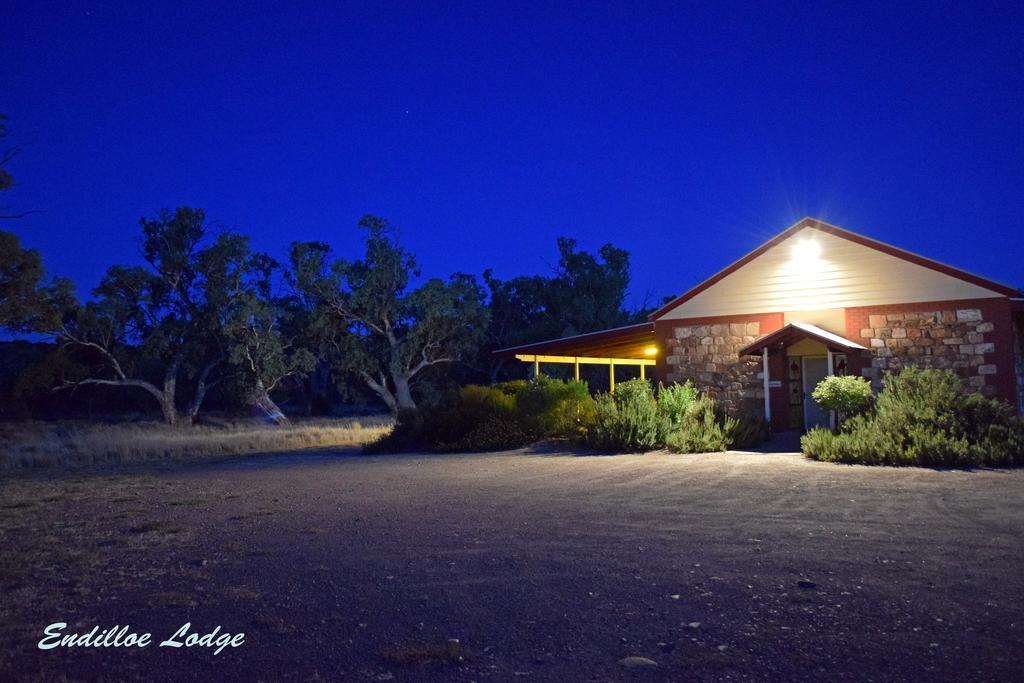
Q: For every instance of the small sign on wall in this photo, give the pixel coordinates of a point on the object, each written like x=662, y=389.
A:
x=775, y=384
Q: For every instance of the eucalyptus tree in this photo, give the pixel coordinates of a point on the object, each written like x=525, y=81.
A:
x=374, y=325
x=585, y=293
x=151, y=326
x=263, y=339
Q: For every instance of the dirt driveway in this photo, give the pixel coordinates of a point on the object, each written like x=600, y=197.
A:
x=520, y=567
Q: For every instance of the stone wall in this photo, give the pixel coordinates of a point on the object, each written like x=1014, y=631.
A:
x=957, y=339
x=707, y=354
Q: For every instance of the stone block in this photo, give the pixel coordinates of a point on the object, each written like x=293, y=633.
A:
x=938, y=332
x=977, y=381
x=748, y=339
x=876, y=320
x=877, y=343
x=967, y=349
x=987, y=369
x=899, y=333
x=977, y=360
x=987, y=347
x=949, y=316
x=718, y=330
x=883, y=331
x=707, y=341
x=914, y=332
x=952, y=341
x=985, y=327
x=737, y=329
x=867, y=332
x=968, y=315
x=975, y=338
x=683, y=332
x=754, y=329
x=894, y=317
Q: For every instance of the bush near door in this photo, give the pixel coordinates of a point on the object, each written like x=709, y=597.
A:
x=924, y=417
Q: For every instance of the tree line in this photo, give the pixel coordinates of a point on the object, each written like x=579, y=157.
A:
x=202, y=311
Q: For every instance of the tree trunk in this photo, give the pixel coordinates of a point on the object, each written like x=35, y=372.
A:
x=264, y=406
x=403, y=393
x=381, y=389
x=168, y=409
x=202, y=386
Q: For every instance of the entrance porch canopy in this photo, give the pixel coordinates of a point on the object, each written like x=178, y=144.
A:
x=629, y=345
x=792, y=332
x=788, y=334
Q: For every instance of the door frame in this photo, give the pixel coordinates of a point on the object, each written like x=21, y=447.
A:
x=807, y=393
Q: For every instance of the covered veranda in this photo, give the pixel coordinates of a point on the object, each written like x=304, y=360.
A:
x=630, y=346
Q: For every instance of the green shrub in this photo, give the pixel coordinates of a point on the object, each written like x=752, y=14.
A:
x=674, y=400
x=503, y=416
x=550, y=408
x=627, y=420
x=702, y=429
x=748, y=432
x=924, y=417
x=847, y=395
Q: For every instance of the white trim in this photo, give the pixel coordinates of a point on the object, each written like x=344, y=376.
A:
x=767, y=387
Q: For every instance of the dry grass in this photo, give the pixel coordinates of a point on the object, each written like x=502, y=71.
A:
x=41, y=444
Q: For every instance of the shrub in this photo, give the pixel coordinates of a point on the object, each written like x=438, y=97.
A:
x=499, y=417
x=493, y=433
x=550, y=408
x=674, y=400
x=627, y=420
x=923, y=417
x=847, y=395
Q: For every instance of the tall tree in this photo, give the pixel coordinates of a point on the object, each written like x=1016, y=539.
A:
x=28, y=300
x=6, y=179
x=260, y=348
x=585, y=293
x=150, y=326
x=374, y=326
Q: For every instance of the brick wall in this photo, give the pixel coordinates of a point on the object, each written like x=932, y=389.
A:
x=1018, y=360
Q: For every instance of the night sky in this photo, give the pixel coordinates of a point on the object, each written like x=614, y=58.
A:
x=686, y=135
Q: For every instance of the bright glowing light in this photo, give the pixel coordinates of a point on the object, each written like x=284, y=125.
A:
x=651, y=351
x=806, y=251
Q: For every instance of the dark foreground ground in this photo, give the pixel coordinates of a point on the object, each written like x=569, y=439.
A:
x=521, y=567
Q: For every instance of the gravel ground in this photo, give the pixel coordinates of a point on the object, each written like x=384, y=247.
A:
x=520, y=566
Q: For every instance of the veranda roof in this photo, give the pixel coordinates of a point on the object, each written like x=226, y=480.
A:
x=631, y=341
x=794, y=332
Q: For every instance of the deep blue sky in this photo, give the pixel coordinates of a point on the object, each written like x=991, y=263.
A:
x=686, y=134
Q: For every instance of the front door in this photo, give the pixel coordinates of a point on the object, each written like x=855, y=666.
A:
x=815, y=369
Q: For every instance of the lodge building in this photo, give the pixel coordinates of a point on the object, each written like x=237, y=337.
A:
x=815, y=300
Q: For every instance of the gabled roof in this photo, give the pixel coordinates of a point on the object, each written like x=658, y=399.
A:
x=911, y=257
x=630, y=341
x=794, y=331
